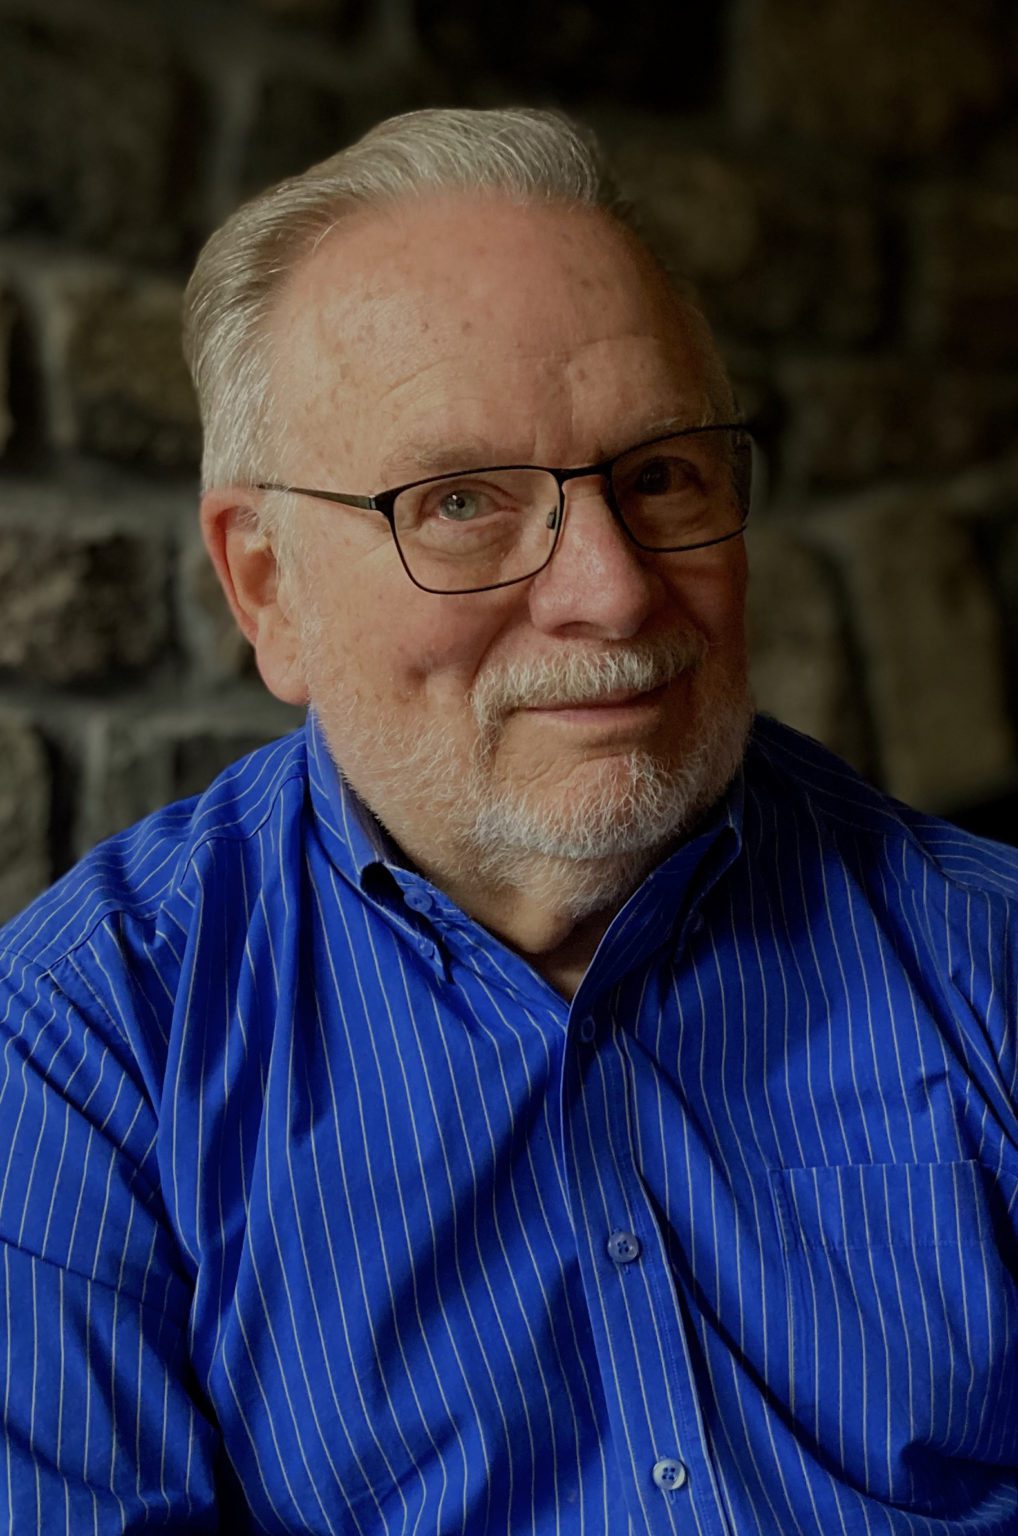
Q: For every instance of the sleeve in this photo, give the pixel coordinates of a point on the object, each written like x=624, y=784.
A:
x=103, y=1428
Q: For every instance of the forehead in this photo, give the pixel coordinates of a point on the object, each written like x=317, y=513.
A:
x=471, y=315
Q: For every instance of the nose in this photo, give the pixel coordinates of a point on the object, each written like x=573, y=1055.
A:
x=598, y=583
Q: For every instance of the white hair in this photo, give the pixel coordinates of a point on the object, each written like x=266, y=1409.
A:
x=526, y=154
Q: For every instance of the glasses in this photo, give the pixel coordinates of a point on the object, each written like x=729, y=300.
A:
x=488, y=528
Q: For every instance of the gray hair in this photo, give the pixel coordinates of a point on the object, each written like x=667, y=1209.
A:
x=526, y=154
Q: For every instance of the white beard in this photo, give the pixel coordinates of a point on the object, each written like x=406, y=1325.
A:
x=585, y=847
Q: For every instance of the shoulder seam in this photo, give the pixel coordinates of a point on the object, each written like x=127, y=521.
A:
x=892, y=824
x=896, y=822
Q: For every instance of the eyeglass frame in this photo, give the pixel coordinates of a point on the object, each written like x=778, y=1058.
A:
x=385, y=503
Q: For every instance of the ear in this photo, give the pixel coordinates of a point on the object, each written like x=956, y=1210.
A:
x=245, y=563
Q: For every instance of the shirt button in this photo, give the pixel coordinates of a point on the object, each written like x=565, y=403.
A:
x=419, y=901
x=624, y=1247
x=669, y=1474
x=588, y=1029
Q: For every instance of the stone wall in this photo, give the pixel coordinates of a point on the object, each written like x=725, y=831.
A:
x=839, y=179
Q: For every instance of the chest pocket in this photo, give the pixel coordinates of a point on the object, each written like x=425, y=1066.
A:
x=903, y=1327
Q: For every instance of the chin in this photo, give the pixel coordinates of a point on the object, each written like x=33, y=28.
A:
x=626, y=805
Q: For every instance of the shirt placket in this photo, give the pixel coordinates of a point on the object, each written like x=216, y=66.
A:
x=643, y=1354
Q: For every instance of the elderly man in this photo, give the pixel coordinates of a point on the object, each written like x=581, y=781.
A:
x=535, y=1097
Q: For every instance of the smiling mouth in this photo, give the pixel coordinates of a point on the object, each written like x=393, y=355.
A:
x=628, y=698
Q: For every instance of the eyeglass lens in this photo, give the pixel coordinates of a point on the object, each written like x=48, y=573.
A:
x=491, y=527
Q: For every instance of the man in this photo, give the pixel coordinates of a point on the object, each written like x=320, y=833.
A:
x=528, y=1099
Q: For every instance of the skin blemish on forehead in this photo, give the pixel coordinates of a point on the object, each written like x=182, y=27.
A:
x=411, y=340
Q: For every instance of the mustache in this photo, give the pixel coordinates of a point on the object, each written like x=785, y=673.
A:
x=584, y=677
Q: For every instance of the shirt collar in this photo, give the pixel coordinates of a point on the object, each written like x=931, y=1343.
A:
x=664, y=911
x=352, y=837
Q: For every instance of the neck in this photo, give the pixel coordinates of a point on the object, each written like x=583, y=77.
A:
x=552, y=912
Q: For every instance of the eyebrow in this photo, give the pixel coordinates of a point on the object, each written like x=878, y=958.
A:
x=430, y=457
x=436, y=458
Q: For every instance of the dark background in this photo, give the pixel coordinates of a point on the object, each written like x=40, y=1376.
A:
x=840, y=179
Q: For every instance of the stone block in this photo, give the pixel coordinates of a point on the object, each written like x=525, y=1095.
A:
x=902, y=79
x=135, y=765
x=575, y=52
x=25, y=794
x=800, y=664
x=83, y=599
x=964, y=289
x=94, y=148
x=854, y=419
x=6, y=327
x=117, y=377
x=929, y=637
x=774, y=253
x=208, y=629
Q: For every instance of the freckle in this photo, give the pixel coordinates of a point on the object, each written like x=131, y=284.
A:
x=466, y=327
x=426, y=326
x=581, y=375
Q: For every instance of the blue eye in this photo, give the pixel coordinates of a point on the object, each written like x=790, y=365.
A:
x=476, y=504
x=459, y=506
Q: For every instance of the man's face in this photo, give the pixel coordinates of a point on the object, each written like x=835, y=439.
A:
x=460, y=332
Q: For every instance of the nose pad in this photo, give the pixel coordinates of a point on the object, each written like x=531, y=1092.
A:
x=605, y=585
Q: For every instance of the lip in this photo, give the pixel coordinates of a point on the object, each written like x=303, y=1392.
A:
x=615, y=704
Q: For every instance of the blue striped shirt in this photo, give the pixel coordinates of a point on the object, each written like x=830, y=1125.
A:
x=320, y=1211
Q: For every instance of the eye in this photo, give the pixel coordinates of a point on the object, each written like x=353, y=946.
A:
x=457, y=503
x=659, y=477
x=461, y=505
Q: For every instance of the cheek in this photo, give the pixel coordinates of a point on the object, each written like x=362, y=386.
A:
x=712, y=596
x=407, y=640
x=438, y=645
x=418, y=655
